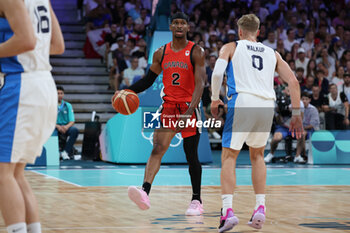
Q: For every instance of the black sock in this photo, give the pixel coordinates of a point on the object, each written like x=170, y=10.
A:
x=196, y=197
x=195, y=167
x=146, y=187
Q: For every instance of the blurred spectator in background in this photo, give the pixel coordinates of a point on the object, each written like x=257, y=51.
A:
x=300, y=35
x=311, y=68
x=98, y=17
x=280, y=48
x=140, y=53
x=64, y=126
x=327, y=61
x=119, y=65
x=338, y=79
x=110, y=39
x=311, y=122
x=259, y=11
x=271, y=40
x=299, y=73
x=336, y=50
x=337, y=116
x=308, y=44
x=302, y=61
x=309, y=83
x=231, y=36
x=290, y=41
x=322, y=82
x=129, y=74
x=345, y=58
x=346, y=87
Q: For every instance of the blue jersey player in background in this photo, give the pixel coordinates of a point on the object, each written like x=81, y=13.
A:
x=29, y=33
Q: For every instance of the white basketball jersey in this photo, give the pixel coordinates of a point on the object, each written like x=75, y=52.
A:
x=38, y=59
x=251, y=70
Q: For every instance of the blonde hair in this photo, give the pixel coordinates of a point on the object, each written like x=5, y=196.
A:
x=249, y=23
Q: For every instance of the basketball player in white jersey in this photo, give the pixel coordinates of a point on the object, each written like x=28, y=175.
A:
x=29, y=33
x=250, y=68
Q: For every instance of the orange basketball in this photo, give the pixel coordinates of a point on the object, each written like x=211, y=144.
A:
x=125, y=102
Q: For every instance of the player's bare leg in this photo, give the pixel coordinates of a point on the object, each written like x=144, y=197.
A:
x=259, y=182
x=228, y=182
x=31, y=205
x=11, y=199
x=161, y=142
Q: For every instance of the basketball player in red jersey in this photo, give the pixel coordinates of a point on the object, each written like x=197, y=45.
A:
x=183, y=66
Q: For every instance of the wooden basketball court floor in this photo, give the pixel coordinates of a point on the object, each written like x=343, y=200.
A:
x=95, y=200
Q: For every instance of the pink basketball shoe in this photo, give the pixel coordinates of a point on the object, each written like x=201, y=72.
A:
x=195, y=208
x=228, y=222
x=258, y=218
x=140, y=197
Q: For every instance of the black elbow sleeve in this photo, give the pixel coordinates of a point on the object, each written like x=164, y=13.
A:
x=144, y=83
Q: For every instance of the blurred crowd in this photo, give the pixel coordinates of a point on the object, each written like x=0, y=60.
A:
x=313, y=36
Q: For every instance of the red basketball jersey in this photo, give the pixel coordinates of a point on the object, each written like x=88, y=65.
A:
x=178, y=74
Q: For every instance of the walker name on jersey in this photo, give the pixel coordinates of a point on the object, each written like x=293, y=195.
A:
x=176, y=64
x=255, y=48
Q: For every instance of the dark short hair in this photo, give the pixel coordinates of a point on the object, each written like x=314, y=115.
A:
x=60, y=88
x=346, y=75
x=306, y=94
x=300, y=69
x=179, y=15
x=319, y=71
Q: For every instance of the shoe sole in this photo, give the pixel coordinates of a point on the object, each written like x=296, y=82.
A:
x=229, y=224
x=135, y=195
x=258, y=221
x=193, y=214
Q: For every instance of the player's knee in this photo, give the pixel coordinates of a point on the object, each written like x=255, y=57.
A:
x=158, y=150
x=277, y=137
x=74, y=131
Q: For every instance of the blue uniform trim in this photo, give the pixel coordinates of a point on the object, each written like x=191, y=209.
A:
x=8, y=64
x=227, y=134
x=231, y=83
x=232, y=96
x=9, y=101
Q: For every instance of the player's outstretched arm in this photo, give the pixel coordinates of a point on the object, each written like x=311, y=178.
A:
x=283, y=69
x=226, y=53
x=151, y=75
x=57, y=41
x=23, y=38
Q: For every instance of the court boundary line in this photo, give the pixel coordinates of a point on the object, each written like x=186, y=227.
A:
x=56, y=178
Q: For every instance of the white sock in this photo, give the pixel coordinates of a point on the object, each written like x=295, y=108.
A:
x=17, y=227
x=226, y=202
x=260, y=200
x=34, y=227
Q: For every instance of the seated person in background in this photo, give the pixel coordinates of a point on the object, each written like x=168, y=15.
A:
x=283, y=118
x=110, y=39
x=310, y=80
x=311, y=122
x=130, y=73
x=337, y=116
x=98, y=17
x=320, y=101
x=64, y=126
x=299, y=73
x=322, y=82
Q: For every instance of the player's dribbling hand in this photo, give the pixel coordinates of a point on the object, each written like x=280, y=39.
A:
x=296, y=126
x=215, y=107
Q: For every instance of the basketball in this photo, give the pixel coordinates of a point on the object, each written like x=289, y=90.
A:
x=125, y=102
